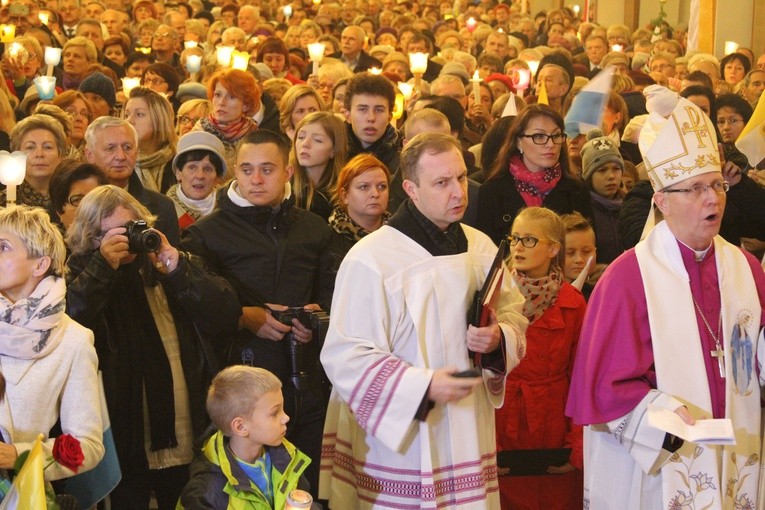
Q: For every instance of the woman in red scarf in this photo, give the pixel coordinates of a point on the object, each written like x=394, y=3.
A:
x=235, y=98
x=530, y=170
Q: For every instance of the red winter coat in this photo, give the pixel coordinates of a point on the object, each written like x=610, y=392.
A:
x=535, y=398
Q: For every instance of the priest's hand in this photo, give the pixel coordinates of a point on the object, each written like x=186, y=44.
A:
x=485, y=339
x=683, y=413
x=446, y=388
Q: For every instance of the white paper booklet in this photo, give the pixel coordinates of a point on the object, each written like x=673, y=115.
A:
x=712, y=431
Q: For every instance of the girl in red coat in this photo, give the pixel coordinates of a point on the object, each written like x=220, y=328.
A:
x=535, y=397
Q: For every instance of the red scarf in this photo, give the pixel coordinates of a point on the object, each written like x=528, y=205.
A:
x=533, y=186
x=232, y=132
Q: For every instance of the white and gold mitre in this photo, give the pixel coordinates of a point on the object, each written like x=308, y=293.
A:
x=678, y=141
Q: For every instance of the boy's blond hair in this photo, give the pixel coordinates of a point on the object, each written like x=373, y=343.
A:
x=235, y=391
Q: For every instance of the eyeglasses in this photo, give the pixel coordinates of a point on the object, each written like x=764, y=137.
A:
x=75, y=200
x=154, y=81
x=526, y=241
x=73, y=112
x=542, y=139
x=731, y=121
x=183, y=119
x=699, y=190
x=163, y=35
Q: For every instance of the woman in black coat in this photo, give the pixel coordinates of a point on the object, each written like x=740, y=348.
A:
x=530, y=170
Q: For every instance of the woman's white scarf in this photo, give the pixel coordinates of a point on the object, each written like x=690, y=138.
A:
x=26, y=326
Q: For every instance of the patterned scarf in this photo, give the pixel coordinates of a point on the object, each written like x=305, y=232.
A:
x=346, y=227
x=27, y=324
x=533, y=186
x=194, y=208
x=230, y=133
x=540, y=293
x=152, y=167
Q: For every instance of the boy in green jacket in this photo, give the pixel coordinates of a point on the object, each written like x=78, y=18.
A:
x=247, y=463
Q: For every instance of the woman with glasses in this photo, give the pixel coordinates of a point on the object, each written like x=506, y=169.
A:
x=733, y=112
x=151, y=115
x=532, y=417
x=69, y=184
x=76, y=105
x=189, y=113
x=530, y=170
x=164, y=79
x=44, y=141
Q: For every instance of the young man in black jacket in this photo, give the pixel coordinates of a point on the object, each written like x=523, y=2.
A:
x=275, y=256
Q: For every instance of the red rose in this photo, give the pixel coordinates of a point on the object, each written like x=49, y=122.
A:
x=67, y=452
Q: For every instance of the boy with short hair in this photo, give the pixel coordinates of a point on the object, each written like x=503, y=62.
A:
x=247, y=458
x=580, y=247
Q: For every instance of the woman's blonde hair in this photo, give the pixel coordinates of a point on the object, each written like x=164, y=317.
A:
x=95, y=207
x=39, y=121
x=552, y=228
x=302, y=187
x=38, y=234
x=160, y=113
x=290, y=99
x=191, y=105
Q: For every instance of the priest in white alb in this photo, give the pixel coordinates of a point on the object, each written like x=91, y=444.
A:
x=402, y=431
x=676, y=323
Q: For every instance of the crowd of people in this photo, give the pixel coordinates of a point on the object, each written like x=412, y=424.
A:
x=270, y=263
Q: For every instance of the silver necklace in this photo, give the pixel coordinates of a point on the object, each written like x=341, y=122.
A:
x=718, y=353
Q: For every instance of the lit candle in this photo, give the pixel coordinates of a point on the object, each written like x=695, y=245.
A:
x=287, y=10
x=471, y=23
x=316, y=53
x=576, y=10
x=375, y=70
x=4, y=2
x=143, y=50
x=316, y=2
x=476, y=88
x=418, y=63
x=129, y=84
x=7, y=33
x=190, y=44
x=406, y=89
x=533, y=66
x=44, y=17
x=240, y=60
x=398, y=109
x=223, y=55
x=730, y=47
x=46, y=87
x=617, y=47
x=14, y=50
x=524, y=6
x=13, y=168
x=521, y=80
x=298, y=500
x=52, y=58
x=193, y=63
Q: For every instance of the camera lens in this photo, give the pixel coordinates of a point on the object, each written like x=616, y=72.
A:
x=150, y=240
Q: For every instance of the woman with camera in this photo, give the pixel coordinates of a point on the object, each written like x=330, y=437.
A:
x=143, y=300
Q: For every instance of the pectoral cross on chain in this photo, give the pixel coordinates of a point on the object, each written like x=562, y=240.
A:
x=720, y=355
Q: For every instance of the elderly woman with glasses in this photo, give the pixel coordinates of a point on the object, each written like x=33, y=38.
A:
x=69, y=184
x=530, y=170
x=190, y=112
x=44, y=141
x=148, y=306
x=164, y=79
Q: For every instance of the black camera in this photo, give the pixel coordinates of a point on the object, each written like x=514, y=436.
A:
x=141, y=239
x=315, y=320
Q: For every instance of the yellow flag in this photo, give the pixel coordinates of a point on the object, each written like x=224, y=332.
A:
x=28, y=490
x=751, y=141
x=542, y=94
